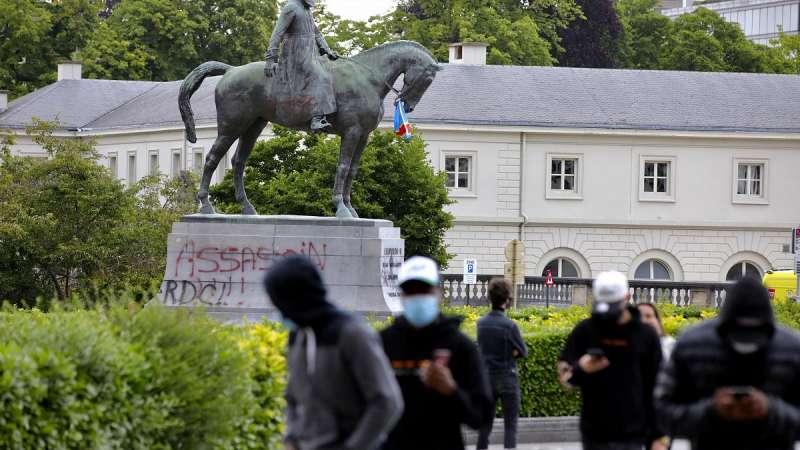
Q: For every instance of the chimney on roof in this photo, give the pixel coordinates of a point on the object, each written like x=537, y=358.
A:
x=3, y=101
x=472, y=53
x=69, y=70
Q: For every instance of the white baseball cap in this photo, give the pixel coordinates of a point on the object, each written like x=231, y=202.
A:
x=419, y=268
x=609, y=287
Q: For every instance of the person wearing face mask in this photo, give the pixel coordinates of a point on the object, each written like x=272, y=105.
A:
x=614, y=359
x=732, y=382
x=342, y=394
x=439, y=369
x=501, y=344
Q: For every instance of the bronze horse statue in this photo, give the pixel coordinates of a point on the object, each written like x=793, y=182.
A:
x=245, y=105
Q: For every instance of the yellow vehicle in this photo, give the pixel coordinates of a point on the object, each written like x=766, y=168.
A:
x=782, y=284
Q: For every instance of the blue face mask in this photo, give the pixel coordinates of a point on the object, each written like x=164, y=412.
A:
x=421, y=310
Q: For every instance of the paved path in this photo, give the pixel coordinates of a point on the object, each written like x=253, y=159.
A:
x=571, y=446
x=679, y=445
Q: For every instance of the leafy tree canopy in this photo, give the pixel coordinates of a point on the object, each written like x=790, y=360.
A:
x=593, y=40
x=293, y=173
x=68, y=224
x=518, y=32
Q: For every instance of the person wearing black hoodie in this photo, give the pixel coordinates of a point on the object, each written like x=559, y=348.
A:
x=441, y=375
x=342, y=394
x=732, y=382
x=614, y=359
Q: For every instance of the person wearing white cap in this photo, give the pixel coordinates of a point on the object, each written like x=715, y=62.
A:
x=440, y=372
x=614, y=358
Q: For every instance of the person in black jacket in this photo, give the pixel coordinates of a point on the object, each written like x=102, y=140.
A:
x=501, y=344
x=614, y=359
x=732, y=382
x=440, y=372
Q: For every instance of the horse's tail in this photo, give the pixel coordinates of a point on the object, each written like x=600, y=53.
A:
x=190, y=85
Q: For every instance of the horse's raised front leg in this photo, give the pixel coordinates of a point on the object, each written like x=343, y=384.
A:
x=217, y=152
x=246, y=144
x=349, y=143
x=351, y=174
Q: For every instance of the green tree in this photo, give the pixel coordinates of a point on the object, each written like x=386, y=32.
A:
x=68, y=224
x=24, y=26
x=112, y=57
x=704, y=41
x=350, y=37
x=293, y=173
x=73, y=23
x=518, y=32
x=787, y=53
x=645, y=33
x=174, y=36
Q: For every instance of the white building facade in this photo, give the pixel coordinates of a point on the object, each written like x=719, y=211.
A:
x=660, y=175
x=761, y=20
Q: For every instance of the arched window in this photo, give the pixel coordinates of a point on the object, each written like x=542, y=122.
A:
x=742, y=270
x=653, y=269
x=561, y=268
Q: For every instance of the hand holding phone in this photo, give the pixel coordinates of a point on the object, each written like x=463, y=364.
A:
x=594, y=361
x=741, y=392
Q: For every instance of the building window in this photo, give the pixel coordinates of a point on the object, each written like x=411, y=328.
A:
x=657, y=179
x=743, y=270
x=653, y=269
x=153, y=167
x=749, y=181
x=113, y=166
x=131, y=169
x=561, y=268
x=197, y=161
x=459, y=172
x=176, y=163
x=564, y=176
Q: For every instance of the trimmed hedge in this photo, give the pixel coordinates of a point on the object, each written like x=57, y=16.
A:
x=130, y=378
x=126, y=378
x=542, y=395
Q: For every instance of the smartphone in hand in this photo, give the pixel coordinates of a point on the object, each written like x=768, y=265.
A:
x=740, y=392
x=596, y=353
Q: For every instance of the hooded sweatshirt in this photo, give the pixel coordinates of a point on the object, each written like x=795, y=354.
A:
x=342, y=394
x=704, y=360
x=432, y=421
x=617, y=401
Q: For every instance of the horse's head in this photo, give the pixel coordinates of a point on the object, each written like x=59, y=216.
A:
x=417, y=79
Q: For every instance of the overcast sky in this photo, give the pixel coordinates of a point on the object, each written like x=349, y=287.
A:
x=360, y=9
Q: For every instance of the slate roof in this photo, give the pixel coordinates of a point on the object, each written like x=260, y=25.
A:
x=476, y=95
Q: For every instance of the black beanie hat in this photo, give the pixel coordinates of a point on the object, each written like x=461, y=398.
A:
x=747, y=299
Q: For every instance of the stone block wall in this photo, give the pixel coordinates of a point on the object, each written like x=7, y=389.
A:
x=703, y=255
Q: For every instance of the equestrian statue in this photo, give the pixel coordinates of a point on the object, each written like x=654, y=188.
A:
x=297, y=87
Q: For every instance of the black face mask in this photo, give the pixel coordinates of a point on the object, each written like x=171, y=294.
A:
x=610, y=318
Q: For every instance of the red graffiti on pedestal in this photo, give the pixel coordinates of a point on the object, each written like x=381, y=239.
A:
x=223, y=259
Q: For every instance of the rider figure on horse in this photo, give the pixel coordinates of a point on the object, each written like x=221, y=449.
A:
x=304, y=85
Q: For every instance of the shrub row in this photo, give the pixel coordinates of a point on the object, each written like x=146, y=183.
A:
x=126, y=378
x=132, y=378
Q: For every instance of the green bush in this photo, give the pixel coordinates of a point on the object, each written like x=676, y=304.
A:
x=127, y=378
x=542, y=395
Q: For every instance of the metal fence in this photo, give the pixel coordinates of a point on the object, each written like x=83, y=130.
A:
x=569, y=291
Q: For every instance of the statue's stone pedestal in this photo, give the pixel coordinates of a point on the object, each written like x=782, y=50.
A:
x=219, y=262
